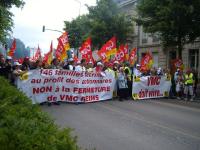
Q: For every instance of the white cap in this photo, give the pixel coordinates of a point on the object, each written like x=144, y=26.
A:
x=137, y=65
x=8, y=57
x=90, y=62
x=71, y=59
x=16, y=64
x=78, y=62
x=99, y=64
x=116, y=62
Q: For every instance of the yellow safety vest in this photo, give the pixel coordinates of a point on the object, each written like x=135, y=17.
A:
x=129, y=72
x=189, y=79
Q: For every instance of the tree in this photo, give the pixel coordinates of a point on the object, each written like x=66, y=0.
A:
x=176, y=21
x=78, y=30
x=103, y=21
x=6, y=16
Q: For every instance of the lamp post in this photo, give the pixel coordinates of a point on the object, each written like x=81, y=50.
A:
x=44, y=29
x=79, y=6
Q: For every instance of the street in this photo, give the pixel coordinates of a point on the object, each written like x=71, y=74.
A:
x=132, y=125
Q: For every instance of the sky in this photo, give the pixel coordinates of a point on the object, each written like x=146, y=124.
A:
x=29, y=20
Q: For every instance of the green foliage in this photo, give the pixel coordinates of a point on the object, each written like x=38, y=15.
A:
x=78, y=30
x=103, y=21
x=6, y=16
x=25, y=126
x=177, y=21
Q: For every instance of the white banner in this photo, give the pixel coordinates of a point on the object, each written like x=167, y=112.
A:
x=68, y=86
x=151, y=87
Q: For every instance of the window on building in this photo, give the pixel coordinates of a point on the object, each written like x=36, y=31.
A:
x=155, y=38
x=144, y=37
x=194, y=58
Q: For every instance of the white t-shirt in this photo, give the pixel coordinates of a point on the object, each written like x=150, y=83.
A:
x=122, y=81
x=80, y=68
x=136, y=72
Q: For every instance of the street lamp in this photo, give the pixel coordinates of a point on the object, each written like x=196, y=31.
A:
x=79, y=6
x=43, y=29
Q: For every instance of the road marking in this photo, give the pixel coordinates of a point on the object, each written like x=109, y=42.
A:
x=141, y=118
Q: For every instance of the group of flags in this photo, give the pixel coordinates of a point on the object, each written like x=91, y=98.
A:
x=108, y=52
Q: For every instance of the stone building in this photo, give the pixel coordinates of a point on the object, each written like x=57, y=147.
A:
x=146, y=42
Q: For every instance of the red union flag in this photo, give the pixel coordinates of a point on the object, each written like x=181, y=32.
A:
x=86, y=50
x=108, y=49
x=86, y=47
x=38, y=53
x=147, y=61
x=59, y=50
x=63, y=40
x=120, y=56
x=12, y=49
x=126, y=56
x=133, y=56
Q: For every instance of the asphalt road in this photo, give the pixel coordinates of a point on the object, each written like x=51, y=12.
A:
x=132, y=125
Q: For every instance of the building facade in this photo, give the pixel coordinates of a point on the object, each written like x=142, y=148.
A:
x=147, y=42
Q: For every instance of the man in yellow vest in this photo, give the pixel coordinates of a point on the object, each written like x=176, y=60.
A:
x=188, y=83
x=128, y=74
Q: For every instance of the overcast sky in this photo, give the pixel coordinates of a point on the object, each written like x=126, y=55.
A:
x=51, y=13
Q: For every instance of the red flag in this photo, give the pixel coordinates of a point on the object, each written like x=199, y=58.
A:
x=120, y=56
x=38, y=54
x=12, y=49
x=147, y=61
x=108, y=49
x=126, y=56
x=48, y=57
x=86, y=47
x=133, y=56
x=59, y=50
x=86, y=50
x=63, y=40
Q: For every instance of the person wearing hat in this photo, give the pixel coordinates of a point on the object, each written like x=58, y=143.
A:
x=128, y=74
x=90, y=66
x=82, y=66
x=136, y=71
x=16, y=72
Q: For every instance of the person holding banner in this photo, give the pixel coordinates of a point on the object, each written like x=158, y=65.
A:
x=122, y=84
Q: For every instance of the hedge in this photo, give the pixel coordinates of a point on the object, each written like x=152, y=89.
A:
x=24, y=126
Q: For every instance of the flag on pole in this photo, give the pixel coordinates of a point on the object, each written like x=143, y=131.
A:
x=126, y=55
x=120, y=55
x=59, y=50
x=49, y=56
x=147, y=61
x=38, y=53
x=12, y=49
x=133, y=56
x=63, y=40
x=86, y=50
x=108, y=49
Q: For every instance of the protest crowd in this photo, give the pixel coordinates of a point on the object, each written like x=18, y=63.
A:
x=121, y=64
x=185, y=83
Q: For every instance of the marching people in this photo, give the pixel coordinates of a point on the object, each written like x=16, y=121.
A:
x=90, y=66
x=128, y=74
x=82, y=66
x=136, y=71
x=179, y=84
x=26, y=64
x=16, y=72
x=122, y=85
x=8, y=68
x=188, y=85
